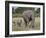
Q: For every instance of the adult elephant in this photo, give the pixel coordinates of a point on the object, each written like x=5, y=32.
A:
x=28, y=16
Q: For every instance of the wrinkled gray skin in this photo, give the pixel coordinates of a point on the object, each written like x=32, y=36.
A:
x=28, y=16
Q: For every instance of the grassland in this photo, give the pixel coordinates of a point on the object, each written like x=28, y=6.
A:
x=21, y=26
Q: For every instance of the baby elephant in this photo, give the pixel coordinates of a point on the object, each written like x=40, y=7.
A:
x=28, y=16
x=19, y=23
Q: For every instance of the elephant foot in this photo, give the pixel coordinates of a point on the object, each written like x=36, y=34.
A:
x=32, y=27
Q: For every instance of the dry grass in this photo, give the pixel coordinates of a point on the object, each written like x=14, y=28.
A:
x=22, y=27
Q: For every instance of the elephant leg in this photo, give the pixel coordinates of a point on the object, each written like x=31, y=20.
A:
x=33, y=22
x=25, y=22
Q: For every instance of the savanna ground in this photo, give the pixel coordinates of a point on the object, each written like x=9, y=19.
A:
x=21, y=27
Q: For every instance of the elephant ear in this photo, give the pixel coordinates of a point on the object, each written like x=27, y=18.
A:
x=30, y=19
